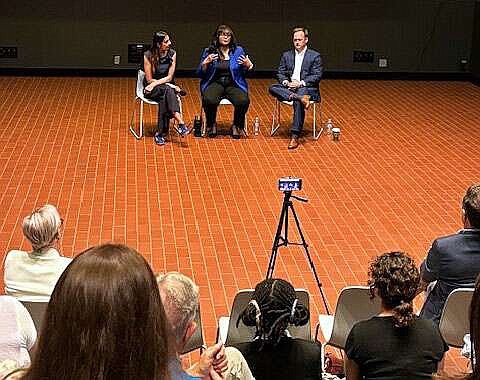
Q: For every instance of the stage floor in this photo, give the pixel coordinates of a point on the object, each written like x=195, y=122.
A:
x=210, y=207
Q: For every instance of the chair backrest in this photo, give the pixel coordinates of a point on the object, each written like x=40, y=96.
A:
x=196, y=340
x=244, y=333
x=140, y=86
x=454, y=322
x=37, y=311
x=354, y=304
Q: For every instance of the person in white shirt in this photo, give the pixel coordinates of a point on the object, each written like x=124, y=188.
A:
x=17, y=333
x=299, y=74
x=31, y=276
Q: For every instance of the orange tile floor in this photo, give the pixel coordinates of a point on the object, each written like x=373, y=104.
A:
x=210, y=207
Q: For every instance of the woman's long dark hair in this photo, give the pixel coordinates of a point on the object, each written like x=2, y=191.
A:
x=215, y=44
x=105, y=320
x=277, y=308
x=395, y=278
x=157, y=39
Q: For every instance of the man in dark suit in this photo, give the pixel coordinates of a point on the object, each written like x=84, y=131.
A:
x=453, y=261
x=299, y=74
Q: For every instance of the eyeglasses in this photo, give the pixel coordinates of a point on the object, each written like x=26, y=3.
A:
x=225, y=34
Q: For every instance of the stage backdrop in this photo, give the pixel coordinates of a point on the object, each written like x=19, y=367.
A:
x=413, y=35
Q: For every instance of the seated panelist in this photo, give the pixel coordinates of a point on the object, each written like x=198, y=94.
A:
x=299, y=74
x=159, y=64
x=222, y=69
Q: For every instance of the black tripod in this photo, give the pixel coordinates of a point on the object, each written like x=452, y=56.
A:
x=280, y=240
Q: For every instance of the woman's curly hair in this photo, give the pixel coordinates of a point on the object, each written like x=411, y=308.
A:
x=395, y=278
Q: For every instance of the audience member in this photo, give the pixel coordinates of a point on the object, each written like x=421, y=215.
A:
x=180, y=298
x=105, y=321
x=10, y=370
x=453, y=261
x=299, y=74
x=17, y=332
x=31, y=276
x=395, y=344
x=222, y=70
x=274, y=354
x=159, y=64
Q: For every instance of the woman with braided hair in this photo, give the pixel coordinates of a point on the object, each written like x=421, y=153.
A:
x=395, y=344
x=274, y=354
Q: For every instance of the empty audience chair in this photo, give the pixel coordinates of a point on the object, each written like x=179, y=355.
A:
x=140, y=96
x=229, y=333
x=354, y=304
x=454, y=322
x=37, y=311
x=313, y=104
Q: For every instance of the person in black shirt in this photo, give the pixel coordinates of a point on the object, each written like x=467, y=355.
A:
x=159, y=65
x=222, y=69
x=395, y=344
x=273, y=354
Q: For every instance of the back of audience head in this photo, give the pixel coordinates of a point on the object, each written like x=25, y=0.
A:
x=273, y=307
x=394, y=277
x=471, y=206
x=42, y=227
x=180, y=298
x=104, y=321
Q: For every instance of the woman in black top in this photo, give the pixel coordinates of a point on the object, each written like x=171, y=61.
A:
x=159, y=64
x=395, y=344
x=273, y=354
x=222, y=69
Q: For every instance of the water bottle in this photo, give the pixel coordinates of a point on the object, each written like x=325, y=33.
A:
x=256, y=126
x=329, y=126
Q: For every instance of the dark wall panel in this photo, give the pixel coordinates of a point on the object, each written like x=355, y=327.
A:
x=475, y=57
x=427, y=35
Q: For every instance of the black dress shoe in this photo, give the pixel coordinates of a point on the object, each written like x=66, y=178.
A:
x=212, y=131
x=235, y=132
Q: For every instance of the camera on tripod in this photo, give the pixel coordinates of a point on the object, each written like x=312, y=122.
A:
x=289, y=184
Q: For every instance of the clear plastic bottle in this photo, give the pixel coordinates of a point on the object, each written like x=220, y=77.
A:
x=256, y=126
x=329, y=126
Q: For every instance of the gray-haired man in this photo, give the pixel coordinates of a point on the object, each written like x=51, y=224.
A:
x=181, y=302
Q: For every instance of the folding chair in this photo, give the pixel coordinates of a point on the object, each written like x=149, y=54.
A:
x=196, y=340
x=276, y=116
x=455, y=320
x=223, y=102
x=353, y=305
x=139, y=96
x=229, y=333
x=37, y=312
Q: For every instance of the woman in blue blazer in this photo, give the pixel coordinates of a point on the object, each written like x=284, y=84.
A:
x=222, y=70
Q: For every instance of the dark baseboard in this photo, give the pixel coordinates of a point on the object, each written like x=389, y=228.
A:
x=264, y=74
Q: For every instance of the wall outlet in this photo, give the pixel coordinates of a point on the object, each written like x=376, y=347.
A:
x=363, y=56
x=116, y=59
x=383, y=62
x=8, y=52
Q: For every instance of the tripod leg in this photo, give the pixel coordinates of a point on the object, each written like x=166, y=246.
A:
x=278, y=235
x=310, y=261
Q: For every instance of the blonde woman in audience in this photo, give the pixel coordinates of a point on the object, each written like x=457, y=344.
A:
x=105, y=321
x=395, y=344
x=31, y=276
